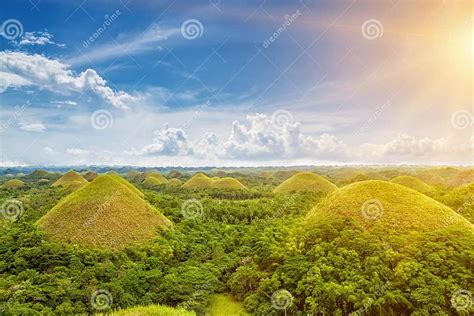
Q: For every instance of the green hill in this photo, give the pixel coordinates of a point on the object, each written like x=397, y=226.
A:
x=198, y=181
x=90, y=175
x=152, y=310
x=306, y=182
x=151, y=173
x=71, y=178
x=462, y=178
x=13, y=184
x=152, y=182
x=385, y=209
x=461, y=200
x=39, y=174
x=413, y=183
x=175, y=182
x=201, y=181
x=107, y=212
x=228, y=183
x=132, y=175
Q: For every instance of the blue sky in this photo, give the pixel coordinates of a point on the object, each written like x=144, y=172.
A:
x=235, y=83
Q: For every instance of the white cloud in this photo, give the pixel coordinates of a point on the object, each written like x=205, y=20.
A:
x=77, y=151
x=37, y=38
x=49, y=150
x=258, y=140
x=32, y=127
x=22, y=69
x=168, y=141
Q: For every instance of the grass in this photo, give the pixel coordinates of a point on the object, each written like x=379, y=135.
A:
x=175, y=182
x=201, y=181
x=108, y=212
x=228, y=183
x=305, y=182
x=13, y=184
x=152, y=182
x=71, y=178
x=152, y=310
x=225, y=304
x=396, y=210
x=413, y=183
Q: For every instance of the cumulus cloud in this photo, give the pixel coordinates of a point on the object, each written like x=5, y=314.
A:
x=32, y=127
x=258, y=140
x=20, y=69
x=37, y=38
x=168, y=141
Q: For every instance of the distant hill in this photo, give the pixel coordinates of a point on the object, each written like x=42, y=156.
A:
x=461, y=200
x=413, y=183
x=132, y=175
x=228, y=183
x=13, y=184
x=107, y=212
x=152, y=181
x=151, y=173
x=71, y=178
x=201, y=181
x=385, y=209
x=305, y=182
x=175, y=182
x=90, y=175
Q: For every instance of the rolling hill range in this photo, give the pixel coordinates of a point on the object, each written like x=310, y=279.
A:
x=305, y=182
x=413, y=183
x=108, y=212
x=385, y=209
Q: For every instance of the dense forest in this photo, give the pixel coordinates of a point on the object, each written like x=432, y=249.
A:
x=257, y=246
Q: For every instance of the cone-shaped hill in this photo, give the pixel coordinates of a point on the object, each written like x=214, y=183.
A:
x=13, y=184
x=152, y=181
x=384, y=209
x=198, y=181
x=151, y=173
x=108, y=212
x=175, y=182
x=228, y=183
x=90, y=175
x=306, y=182
x=132, y=174
x=71, y=178
x=413, y=183
x=201, y=181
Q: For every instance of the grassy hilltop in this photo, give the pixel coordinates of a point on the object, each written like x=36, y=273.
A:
x=108, y=212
